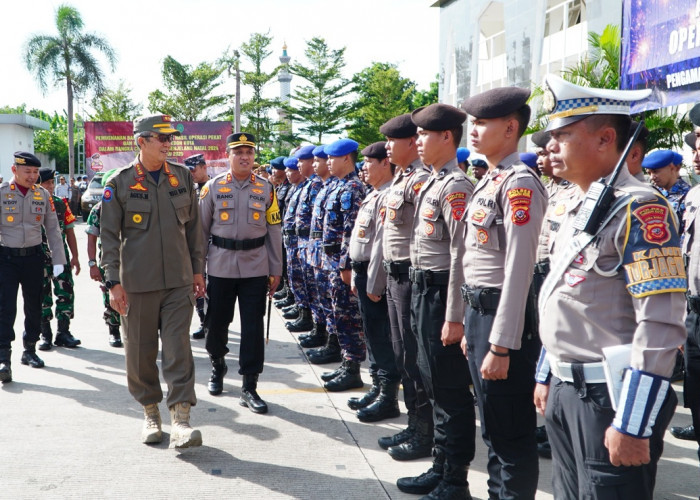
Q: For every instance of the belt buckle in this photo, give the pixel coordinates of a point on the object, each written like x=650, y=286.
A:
x=22, y=252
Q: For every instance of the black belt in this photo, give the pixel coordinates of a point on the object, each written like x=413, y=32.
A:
x=331, y=249
x=304, y=232
x=395, y=269
x=292, y=231
x=542, y=267
x=481, y=299
x=317, y=234
x=694, y=303
x=21, y=252
x=428, y=277
x=359, y=267
x=230, y=244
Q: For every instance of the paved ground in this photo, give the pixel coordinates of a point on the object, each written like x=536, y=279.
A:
x=71, y=430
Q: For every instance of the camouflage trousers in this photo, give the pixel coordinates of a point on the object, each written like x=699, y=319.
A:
x=346, y=315
x=310, y=284
x=63, y=289
x=324, y=303
x=295, y=274
x=110, y=316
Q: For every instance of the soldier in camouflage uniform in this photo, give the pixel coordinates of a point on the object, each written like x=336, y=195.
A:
x=289, y=234
x=282, y=189
x=63, y=283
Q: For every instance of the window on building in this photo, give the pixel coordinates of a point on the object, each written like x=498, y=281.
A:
x=492, y=70
x=565, y=34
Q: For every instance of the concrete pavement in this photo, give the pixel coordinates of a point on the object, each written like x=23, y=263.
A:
x=71, y=430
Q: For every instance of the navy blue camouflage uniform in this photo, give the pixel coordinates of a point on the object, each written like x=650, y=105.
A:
x=295, y=270
x=316, y=254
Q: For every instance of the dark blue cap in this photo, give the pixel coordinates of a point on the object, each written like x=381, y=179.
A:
x=25, y=159
x=462, y=154
x=291, y=163
x=195, y=160
x=319, y=152
x=529, y=159
x=677, y=158
x=278, y=163
x=340, y=147
x=268, y=169
x=659, y=159
x=479, y=163
x=304, y=152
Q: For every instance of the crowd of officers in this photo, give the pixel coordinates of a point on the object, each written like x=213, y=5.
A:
x=511, y=288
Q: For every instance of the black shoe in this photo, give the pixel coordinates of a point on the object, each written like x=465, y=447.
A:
x=216, y=380
x=316, y=337
x=330, y=353
x=115, y=336
x=425, y=483
x=544, y=450
x=541, y=434
x=303, y=323
x=349, y=379
x=454, y=485
x=66, y=339
x=280, y=294
x=385, y=406
x=420, y=444
x=368, y=398
x=249, y=395
x=201, y=333
x=46, y=336
x=401, y=437
x=291, y=313
x=44, y=344
x=284, y=302
x=30, y=358
x=5, y=365
x=685, y=433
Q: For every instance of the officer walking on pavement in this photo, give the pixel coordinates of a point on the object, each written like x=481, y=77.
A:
x=26, y=207
x=152, y=254
x=437, y=304
x=618, y=283
x=241, y=222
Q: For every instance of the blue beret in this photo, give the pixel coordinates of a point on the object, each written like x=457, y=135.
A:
x=305, y=152
x=677, y=158
x=462, y=154
x=529, y=159
x=268, y=169
x=319, y=153
x=278, y=163
x=340, y=147
x=658, y=159
x=291, y=163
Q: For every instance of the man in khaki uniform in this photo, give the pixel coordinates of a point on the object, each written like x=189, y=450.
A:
x=152, y=254
x=241, y=223
x=26, y=206
x=503, y=225
x=620, y=284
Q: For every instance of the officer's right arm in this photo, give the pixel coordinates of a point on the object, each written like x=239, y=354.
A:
x=206, y=214
x=110, y=231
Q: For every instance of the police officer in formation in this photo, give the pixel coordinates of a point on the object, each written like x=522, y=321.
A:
x=282, y=188
x=241, y=221
x=369, y=284
x=26, y=208
x=437, y=306
x=664, y=169
x=618, y=285
x=295, y=272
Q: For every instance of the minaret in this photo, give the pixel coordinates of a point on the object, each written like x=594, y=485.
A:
x=284, y=77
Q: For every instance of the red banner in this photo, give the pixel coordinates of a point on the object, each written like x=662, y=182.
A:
x=111, y=145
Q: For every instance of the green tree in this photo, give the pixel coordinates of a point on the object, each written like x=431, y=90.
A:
x=53, y=142
x=68, y=59
x=320, y=107
x=427, y=97
x=115, y=105
x=190, y=92
x=382, y=94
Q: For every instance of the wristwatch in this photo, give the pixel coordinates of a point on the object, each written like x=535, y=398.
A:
x=109, y=284
x=92, y=263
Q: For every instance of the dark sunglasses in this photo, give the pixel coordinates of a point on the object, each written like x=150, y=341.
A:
x=163, y=138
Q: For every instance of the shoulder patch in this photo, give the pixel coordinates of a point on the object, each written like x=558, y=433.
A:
x=520, y=199
x=108, y=193
x=346, y=200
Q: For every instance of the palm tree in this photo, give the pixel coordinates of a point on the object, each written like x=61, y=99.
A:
x=68, y=59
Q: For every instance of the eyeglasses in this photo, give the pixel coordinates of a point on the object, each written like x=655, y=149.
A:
x=163, y=138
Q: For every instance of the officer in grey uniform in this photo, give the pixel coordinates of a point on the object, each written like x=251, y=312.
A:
x=615, y=286
x=26, y=206
x=437, y=305
x=241, y=222
x=503, y=225
x=369, y=284
x=152, y=254
x=416, y=440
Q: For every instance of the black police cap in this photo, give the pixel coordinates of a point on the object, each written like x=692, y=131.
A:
x=438, y=116
x=541, y=138
x=399, y=127
x=194, y=160
x=376, y=150
x=25, y=159
x=240, y=139
x=497, y=103
x=46, y=174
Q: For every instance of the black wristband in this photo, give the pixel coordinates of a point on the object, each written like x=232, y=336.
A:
x=499, y=354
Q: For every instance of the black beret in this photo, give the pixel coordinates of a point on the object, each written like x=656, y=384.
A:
x=694, y=115
x=438, y=116
x=541, y=138
x=399, y=127
x=278, y=163
x=690, y=139
x=195, y=160
x=643, y=134
x=479, y=163
x=497, y=103
x=45, y=174
x=376, y=150
x=240, y=139
x=22, y=158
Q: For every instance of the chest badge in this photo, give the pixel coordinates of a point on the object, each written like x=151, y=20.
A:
x=572, y=279
x=137, y=218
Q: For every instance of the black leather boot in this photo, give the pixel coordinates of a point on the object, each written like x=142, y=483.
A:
x=420, y=445
x=64, y=338
x=330, y=353
x=115, y=336
x=326, y=376
x=46, y=336
x=426, y=482
x=285, y=302
x=401, y=437
x=29, y=356
x=368, y=398
x=303, y=323
x=200, y=333
x=454, y=485
x=281, y=293
x=249, y=395
x=216, y=381
x=385, y=406
x=316, y=338
x=5, y=365
x=317, y=326
x=291, y=312
x=349, y=379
